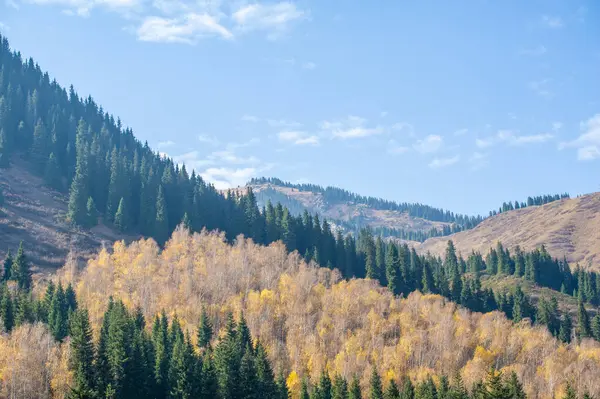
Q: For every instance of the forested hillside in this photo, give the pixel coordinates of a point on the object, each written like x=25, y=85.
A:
x=321, y=334
x=352, y=212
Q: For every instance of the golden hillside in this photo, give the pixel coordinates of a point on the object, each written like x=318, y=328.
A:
x=309, y=319
x=569, y=227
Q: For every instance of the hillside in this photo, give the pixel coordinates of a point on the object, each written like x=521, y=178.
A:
x=568, y=228
x=351, y=214
x=308, y=319
x=35, y=214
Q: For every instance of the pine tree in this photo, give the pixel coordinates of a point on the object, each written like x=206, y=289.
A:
x=82, y=354
x=161, y=225
x=248, y=382
x=282, y=389
x=392, y=391
x=180, y=370
x=209, y=384
x=6, y=310
x=266, y=385
x=494, y=386
x=595, y=327
x=324, y=385
x=375, y=390
x=121, y=216
x=583, y=321
x=58, y=314
x=205, y=330
x=79, y=191
x=20, y=269
x=514, y=388
x=91, y=213
x=7, y=268
x=304, y=390
x=339, y=390
x=392, y=269
x=354, y=392
x=570, y=392
x=566, y=328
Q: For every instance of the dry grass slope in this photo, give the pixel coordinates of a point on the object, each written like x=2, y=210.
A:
x=569, y=227
x=35, y=214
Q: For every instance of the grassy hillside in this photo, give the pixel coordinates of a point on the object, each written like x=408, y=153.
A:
x=568, y=228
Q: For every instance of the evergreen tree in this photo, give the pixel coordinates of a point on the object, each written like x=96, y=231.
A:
x=180, y=370
x=6, y=310
x=304, y=390
x=339, y=390
x=595, y=327
x=205, y=330
x=494, y=386
x=7, y=268
x=20, y=269
x=375, y=390
x=121, y=216
x=392, y=391
x=570, y=392
x=82, y=354
x=91, y=213
x=282, y=389
x=354, y=392
x=58, y=314
x=583, y=321
x=566, y=327
x=514, y=388
x=248, y=382
x=265, y=379
x=161, y=225
x=209, y=384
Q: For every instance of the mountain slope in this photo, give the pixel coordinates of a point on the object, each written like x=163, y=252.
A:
x=35, y=215
x=569, y=228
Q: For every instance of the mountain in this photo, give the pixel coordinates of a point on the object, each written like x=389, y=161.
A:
x=351, y=212
x=567, y=228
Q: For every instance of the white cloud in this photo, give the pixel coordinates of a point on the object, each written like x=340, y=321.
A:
x=212, y=140
x=188, y=29
x=250, y=118
x=460, y=132
x=224, y=178
x=588, y=143
x=383, y=114
x=275, y=19
x=556, y=126
x=349, y=128
x=553, y=22
x=509, y=137
x=429, y=144
x=404, y=127
x=4, y=27
x=164, y=144
x=309, y=65
x=394, y=148
x=298, y=138
x=535, y=51
x=11, y=4
x=438, y=163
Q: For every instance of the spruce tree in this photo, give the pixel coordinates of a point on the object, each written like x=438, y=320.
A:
x=7, y=268
x=514, y=388
x=82, y=354
x=91, y=213
x=266, y=385
x=6, y=310
x=595, y=327
x=52, y=173
x=205, y=330
x=354, y=392
x=304, y=390
x=161, y=225
x=20, y=269
x=209, y=383
x=324, y=385
x=180, y=371
x=375, y=389
x=339, y=390
x=282, y=388
x=248, y=381
x=121, y=216
x=570, y=392
x=58, y=314
x=566, y=328
x=392, y=391
x=583, y=321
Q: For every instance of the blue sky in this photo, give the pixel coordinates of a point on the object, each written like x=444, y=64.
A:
x=460, y=105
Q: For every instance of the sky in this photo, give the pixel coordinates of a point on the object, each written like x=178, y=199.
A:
x=460, y=105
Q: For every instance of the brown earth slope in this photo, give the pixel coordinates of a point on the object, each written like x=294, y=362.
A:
x=35, y=215
x=569, y=227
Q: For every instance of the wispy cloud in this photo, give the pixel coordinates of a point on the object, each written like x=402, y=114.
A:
x=282, y=123
x=535, y=51
x=4, y=27
x=309, y=65
x=404, y=128
x=438, y=163
x=553, y=22
x=187, y=29
x=298, y=138
x=185, y=21
x=351, y=127
x=274, y=19
x=588, y=143
x=461, y=132
x=511, y=138
x=429, y=144
x=383, y=114
x=556, y=126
